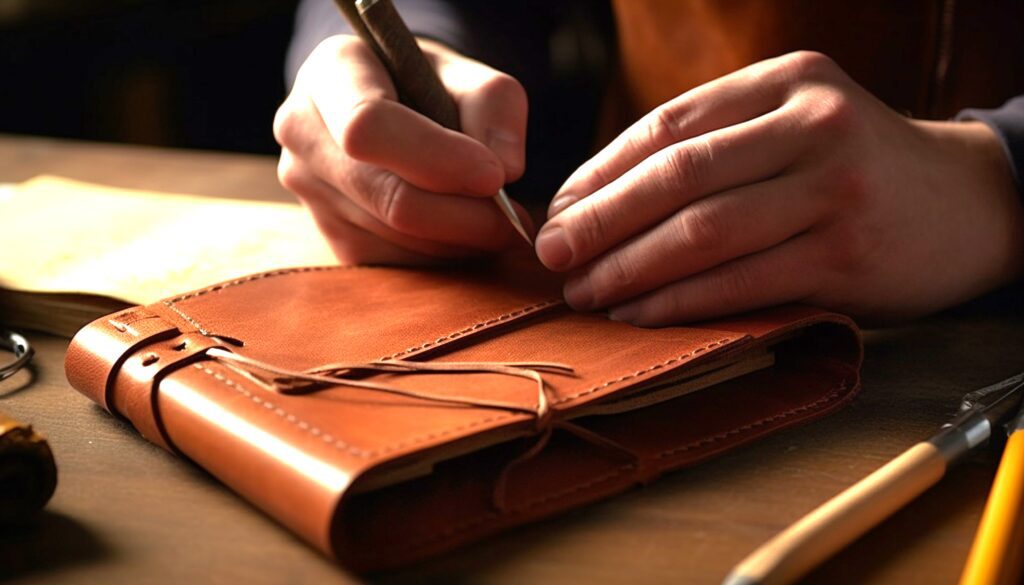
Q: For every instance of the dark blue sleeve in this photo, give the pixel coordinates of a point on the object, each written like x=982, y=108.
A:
x=1008, y=123
x=315, y=20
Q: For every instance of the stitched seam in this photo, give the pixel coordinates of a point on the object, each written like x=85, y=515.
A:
x=425, y=345
x=490, y=516
x=330, y=439
x=638, y=373
x=260, y=276
x=199, y=327
x=834, y=394
x=472, y=328
x=363, y=453
x=315, y=431
x=169, y=303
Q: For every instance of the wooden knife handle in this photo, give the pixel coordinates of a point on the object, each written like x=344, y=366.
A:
x=841, y=520
x=414, y=77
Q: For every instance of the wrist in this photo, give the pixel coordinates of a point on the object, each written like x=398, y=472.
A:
x=986, y=180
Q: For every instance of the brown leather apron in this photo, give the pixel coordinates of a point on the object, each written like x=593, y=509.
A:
x=926, y=58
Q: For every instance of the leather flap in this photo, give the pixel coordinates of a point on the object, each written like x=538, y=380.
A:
x=99, y=349
x=357, y=313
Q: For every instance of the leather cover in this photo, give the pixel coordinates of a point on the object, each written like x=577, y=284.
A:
x=378, y=479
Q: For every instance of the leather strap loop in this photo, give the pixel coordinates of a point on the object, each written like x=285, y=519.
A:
x=136, y=386
x=287, y=381
x=107, y=344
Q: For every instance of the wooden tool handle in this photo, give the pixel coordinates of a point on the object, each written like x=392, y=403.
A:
x=417, y=83
x=28, y=475
x=842, y=519
x=351, y=14
x=997, y=554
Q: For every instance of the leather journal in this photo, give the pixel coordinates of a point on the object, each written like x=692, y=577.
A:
x=387, y=414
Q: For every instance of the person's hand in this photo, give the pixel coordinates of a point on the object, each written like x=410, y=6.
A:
x=785, y=182
x=386, y=184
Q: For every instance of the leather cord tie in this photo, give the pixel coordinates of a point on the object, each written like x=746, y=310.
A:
x=294, y=382
x=287, y=381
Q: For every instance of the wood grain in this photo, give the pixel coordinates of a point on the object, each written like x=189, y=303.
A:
x=126, y=511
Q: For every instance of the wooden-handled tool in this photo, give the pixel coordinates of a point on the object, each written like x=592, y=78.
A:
x=379, y=25
x=844, y=518
x=28, y=475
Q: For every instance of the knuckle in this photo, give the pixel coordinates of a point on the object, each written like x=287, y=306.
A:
x=807, y=65
x=663, y=126
x=364, y=115
x=687, y=164
x=701, y=227
x=390, y=197
x=287, y=125
x=504, y=89
x=616, y=272
x=591, y=228
x=342, y=47
x=289, y=175
x=830, y=112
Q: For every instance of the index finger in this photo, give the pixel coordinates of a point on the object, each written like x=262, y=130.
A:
x=358, y=104
x=735, y=98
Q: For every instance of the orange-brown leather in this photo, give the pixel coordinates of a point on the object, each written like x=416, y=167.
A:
x=308, y=459
x=926, y=58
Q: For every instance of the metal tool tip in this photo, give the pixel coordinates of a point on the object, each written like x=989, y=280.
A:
x=739, y=579
x=506, y=207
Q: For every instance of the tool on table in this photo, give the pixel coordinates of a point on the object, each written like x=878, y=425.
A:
x=841, y=520
x=379, y=25
x=16, y=343
x=997, y=555
x=28, y=475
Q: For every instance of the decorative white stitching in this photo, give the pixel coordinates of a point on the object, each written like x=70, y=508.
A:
x=638, y=373
x=338, y=443
x=482, y=324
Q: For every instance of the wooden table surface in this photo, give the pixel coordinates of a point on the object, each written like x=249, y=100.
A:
x=127, y=512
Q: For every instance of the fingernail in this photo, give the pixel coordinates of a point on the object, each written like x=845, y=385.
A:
x=485, y=179
x=552, y=248
x=507, y=146
x=625, y=313
x=579, y=294
x=560, y=203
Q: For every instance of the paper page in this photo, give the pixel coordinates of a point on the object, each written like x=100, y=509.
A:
x=60, y=235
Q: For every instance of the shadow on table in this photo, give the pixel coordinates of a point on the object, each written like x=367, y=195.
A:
x=18, y=382
x=50, y=542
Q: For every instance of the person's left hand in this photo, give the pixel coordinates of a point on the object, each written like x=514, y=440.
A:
x=783, y=182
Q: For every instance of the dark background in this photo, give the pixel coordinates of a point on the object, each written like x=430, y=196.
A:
x=182, y=73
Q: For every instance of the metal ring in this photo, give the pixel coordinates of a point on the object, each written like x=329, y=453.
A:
x=23, y=352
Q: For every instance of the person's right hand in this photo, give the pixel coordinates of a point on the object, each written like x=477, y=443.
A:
x=386, y=184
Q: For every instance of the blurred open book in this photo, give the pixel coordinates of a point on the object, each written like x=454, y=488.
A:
x=72, y=251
